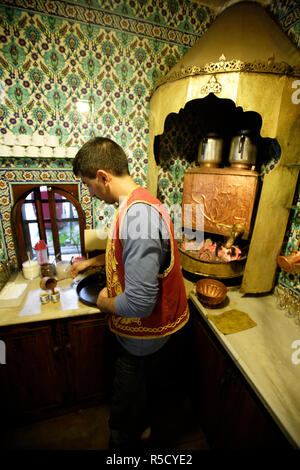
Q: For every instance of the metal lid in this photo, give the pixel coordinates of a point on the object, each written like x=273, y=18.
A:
x=211, y=135
x=245, y=132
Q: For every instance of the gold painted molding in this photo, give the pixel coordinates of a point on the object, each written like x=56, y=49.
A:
x=226, y=66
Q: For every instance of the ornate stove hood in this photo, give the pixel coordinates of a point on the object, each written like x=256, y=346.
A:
x=244, y=38
x=245, y=57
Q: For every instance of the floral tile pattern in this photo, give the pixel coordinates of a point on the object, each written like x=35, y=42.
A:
x=53, y=54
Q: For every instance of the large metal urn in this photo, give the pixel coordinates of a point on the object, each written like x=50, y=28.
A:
x=210, y=150
x=243, y=150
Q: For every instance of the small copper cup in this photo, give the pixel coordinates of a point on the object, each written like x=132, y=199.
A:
x=48, y=283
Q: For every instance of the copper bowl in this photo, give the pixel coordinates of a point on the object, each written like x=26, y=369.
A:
x=210, y=291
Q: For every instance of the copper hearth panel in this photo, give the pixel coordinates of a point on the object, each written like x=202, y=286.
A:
x=227, y=194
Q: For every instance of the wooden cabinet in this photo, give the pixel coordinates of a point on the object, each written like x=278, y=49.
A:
x=229, y=411
x=54, y=366
x=87, y=344
x=29, y=379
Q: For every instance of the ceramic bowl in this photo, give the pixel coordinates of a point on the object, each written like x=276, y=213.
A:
x=24, y=140
x=37, y=140
x=210, y=291
x=71, y=152
x=46, y=152
x=9, y=139
x=59, y=152
x=18, y=151
x=32, y=151
x=5, y=151
x=52, y=140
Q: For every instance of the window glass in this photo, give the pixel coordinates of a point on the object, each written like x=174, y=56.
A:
x=66, y=223
x=68, y=228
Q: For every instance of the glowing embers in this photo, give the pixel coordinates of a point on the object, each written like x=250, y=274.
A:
x=213, y=251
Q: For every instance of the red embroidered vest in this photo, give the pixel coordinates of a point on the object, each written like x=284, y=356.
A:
x=171, y=310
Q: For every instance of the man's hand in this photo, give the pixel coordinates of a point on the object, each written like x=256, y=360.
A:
x=104, y=292
x=79, y=266
x=104, y=303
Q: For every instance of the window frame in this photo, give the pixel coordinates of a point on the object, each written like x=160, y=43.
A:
x=20, y=192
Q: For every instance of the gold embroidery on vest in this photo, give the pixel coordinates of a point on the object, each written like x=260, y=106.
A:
x=156, y=206
x=116, y=319
x=113, y=283
x=143, y=329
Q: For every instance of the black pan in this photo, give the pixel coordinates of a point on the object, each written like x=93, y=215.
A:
x=89, y=288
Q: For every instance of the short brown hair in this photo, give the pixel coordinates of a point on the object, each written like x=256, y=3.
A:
x=100, y=153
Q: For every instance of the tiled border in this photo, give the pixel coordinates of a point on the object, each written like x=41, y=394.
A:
x=108, y=19
x=29, y=176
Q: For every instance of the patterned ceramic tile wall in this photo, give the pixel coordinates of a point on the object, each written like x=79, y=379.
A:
x=287, y=13
x=53, y=54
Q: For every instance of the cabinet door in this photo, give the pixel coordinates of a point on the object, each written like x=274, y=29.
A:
x=30, y=380
x=210, y=377
x=248, y=425
x=87, y=343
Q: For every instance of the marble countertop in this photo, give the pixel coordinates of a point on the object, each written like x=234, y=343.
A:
x=31, y=309
x=268, y=355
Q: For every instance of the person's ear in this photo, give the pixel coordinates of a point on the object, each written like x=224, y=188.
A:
x=103, y=176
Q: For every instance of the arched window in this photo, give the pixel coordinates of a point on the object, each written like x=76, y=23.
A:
x=51, y=213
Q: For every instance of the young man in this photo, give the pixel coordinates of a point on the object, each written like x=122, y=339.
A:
x=145, y=294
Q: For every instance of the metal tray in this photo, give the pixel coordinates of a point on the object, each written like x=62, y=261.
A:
x=218, y=270
x=89, y=288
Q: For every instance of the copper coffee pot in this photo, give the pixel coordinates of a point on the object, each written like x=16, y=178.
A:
x=290, y=263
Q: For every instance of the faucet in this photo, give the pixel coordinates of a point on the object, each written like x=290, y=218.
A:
x=236, y=231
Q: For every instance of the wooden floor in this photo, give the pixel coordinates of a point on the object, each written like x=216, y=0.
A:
x=174, y=427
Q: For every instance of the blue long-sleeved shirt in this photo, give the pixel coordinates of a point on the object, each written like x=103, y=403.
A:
x=146, y=251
